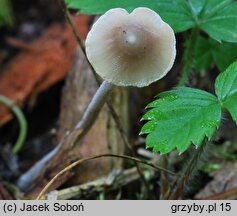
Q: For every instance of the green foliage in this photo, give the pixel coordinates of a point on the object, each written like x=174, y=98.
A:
x=101, y=6
x=209, y=51
x=180, y=117
x=177, y=13
x=5, y=13
x=226, y=89
x=218, y=18
x=185, y=115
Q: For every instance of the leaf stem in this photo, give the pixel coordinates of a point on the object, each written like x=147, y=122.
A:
x=21, y=120
x=189, y=56
x=188, y=171
x=164, y=178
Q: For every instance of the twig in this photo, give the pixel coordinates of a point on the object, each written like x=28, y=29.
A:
x=77, y=36
x=74, y=28
x=225, y=195
x=99, y=185
x=21, y=120
x=95, y=157
x=129, y=146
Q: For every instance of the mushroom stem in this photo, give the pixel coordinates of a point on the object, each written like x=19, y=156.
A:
x=95, y=106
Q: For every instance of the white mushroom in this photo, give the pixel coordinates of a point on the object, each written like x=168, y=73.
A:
x=125, y=49
x=133, y=49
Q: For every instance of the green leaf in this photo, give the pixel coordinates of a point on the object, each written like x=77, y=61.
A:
x=101, y=6
x=175, y=12
x=219, y=20
x=204, y=54
x=209, y=51
x=226, y=89
x=216, y=17
x=180, y=117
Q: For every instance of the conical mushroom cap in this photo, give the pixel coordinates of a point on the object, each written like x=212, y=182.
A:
x=133, y=49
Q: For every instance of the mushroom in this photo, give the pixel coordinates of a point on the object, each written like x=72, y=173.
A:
x=133, y=49
x=125, y=49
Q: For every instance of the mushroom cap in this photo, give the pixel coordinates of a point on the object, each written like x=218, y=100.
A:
x=133, y=49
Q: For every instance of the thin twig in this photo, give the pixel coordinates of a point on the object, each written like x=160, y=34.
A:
x=76, y=163
x=99, y=185
x=74, y=28
x=77, y=36
x=129, y=146
x=231, y=193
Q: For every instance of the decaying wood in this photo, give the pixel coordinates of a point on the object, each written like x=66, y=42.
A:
x=79, y=89
x=40, y=64
x=223, y=180
x=99, y=185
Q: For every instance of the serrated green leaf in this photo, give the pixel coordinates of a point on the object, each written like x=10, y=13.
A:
x=175, y=12
x=180, y=117
x=226, y=82
x=209, y=51
x=219, y=20
x=216, y=17
x=226, y=89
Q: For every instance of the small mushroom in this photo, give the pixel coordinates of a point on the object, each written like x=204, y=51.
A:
x=128, y=50
x=133, y=49
x=125, y=49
